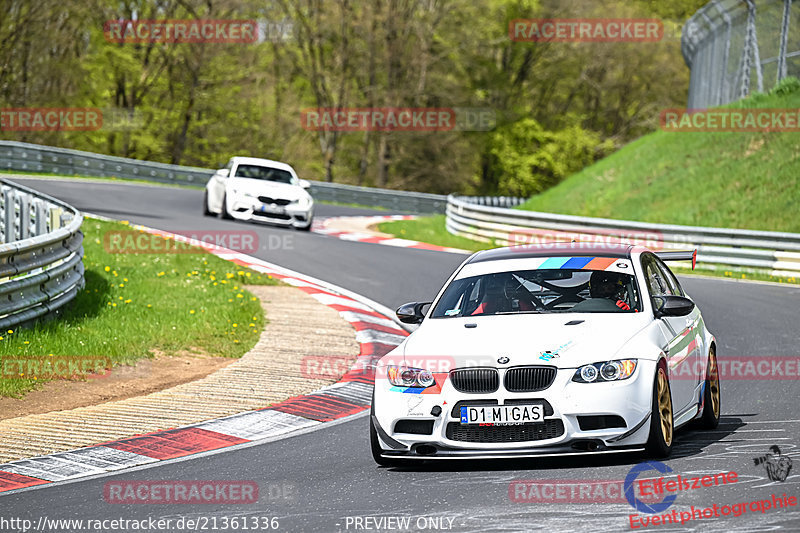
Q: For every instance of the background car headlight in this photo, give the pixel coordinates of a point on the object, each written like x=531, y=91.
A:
x=402, y=376
x=605, y=371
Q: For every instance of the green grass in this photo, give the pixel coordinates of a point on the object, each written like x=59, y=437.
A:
x=733, y=180
x=431, y=230
x=136, y=304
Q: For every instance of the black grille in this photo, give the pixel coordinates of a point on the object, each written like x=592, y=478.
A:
x=272, y=215
x=589, y=423
x=529, y=378
x=550, y=429
x=416, y=427
x=277, y=201
x=475, y=380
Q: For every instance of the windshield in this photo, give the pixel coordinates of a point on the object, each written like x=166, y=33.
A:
x=540, y=291
x=256, y=172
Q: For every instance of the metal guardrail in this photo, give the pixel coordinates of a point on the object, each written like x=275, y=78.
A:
x=734, y=47
x=27, y=157
x=718, y=248
x=41, y=255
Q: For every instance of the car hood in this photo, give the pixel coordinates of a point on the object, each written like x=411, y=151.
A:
x=572, y=339
x=267, y=188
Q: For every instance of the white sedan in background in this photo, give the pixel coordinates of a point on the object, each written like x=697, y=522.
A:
x=263, y=190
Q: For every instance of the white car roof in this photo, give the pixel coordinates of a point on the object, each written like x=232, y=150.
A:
x=263, y=162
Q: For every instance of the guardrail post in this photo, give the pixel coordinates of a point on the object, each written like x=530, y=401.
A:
x=9, y=215
x=24, y=216
x=40, y=208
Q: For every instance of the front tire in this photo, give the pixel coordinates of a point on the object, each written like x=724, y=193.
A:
x=206, y=211
x=223, y=212
x=662, y=428
x=711, y=394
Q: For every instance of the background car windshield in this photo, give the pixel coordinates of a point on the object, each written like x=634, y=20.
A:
x=540, y=291
x=263, y=173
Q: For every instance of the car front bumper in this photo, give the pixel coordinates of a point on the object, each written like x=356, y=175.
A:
x=248, y=208
x=560, y=433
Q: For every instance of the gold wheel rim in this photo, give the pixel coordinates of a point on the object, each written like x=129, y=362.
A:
x=664, y=407
x=713, y=383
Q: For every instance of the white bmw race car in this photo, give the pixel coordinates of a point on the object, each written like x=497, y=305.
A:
x=262, y=190
x=550, y=350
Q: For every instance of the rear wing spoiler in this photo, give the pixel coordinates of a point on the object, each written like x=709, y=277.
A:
x=679, y=256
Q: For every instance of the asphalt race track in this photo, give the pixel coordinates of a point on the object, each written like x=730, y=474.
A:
x=325, y=480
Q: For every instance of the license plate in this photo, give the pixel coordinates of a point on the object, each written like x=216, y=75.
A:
x=503, y=414
x=277, y=210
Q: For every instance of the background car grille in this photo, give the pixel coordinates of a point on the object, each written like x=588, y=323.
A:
x=276, y=201
x=475, y=380
x=272, y=215
x=529, y=378
x=550, y=429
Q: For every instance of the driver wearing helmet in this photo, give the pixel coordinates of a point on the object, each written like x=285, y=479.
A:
x=501, y=295
x=605, y=290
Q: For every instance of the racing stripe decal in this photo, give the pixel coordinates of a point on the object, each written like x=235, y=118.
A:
x=554, y=263
x=577, y=262
x=599, y=263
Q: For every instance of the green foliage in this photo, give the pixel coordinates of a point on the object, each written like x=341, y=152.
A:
x=529, y=159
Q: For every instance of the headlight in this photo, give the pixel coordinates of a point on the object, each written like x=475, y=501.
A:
x=402, y=376
x=304, y=201
x=607, y=371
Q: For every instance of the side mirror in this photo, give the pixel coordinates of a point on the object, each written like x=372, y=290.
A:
x=672, y=306
x=305, y=184
x=411, y=313
x=222, y=173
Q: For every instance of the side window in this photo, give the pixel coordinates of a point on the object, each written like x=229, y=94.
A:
x=655, y=278
x=672, y=282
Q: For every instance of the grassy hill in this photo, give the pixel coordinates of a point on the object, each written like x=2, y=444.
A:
x=737, y=180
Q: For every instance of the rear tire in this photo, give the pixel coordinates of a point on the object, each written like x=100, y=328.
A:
x=662, y=427
x=711, y=394
x=206, y=211
x=223, y=212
